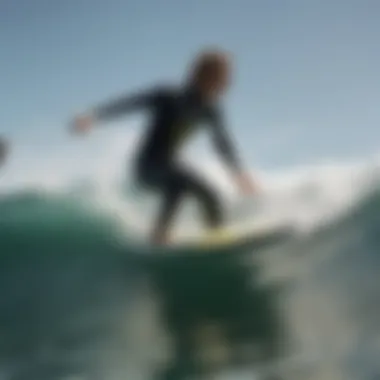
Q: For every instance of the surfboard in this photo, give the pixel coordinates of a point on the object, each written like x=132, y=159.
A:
x=230, y=239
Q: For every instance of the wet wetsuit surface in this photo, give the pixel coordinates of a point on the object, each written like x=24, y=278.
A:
x=175, y=114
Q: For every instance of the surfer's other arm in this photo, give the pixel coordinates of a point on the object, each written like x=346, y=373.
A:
x=223, y=142
x=226, y=148
x=115, y=108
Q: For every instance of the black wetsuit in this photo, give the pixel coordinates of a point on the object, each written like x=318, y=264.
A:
x=175, y=115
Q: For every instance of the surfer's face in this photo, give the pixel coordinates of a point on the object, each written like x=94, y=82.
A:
x=211, y=74
x=215, y=83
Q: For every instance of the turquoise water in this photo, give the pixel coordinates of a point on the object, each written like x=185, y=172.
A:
x=80, y=299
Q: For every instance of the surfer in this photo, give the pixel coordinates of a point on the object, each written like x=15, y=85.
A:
x=177, y=112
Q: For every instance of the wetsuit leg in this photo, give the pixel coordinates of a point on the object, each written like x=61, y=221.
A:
x=174, y=182
x=172, y=195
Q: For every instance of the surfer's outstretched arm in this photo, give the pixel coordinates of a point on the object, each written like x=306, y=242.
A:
x=125, y=104
x=115, y=108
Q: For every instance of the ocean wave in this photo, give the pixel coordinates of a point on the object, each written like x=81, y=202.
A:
x=72, y=303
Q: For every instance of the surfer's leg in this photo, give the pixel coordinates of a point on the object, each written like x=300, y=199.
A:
x=210, y=203
x=174, y=182
x=186, y=182
x=211, y=206
x=179, y=183
x=171, y=197
x=161, y=178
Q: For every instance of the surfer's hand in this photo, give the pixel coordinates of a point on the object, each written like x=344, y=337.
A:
x=246, y=185
x=82, y=124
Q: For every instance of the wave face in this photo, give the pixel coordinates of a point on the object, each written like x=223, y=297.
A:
x=79, y=298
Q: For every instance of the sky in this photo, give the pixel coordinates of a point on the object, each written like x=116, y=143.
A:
x=306, y=73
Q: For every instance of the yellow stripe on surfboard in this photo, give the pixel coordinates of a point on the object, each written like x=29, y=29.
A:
x=218, y=237
x=230, y=235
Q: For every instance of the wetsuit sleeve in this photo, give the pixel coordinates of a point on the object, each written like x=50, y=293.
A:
x=127, y=103
x=223, y=141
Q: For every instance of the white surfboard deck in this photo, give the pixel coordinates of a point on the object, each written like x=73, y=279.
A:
x=231, y=236
x=262, y=231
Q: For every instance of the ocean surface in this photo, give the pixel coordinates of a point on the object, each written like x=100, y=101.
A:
x=82, y=298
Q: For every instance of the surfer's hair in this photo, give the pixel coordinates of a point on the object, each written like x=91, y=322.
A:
x=209, y=62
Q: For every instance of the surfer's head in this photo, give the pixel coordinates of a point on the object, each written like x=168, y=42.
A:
x=210, y=73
